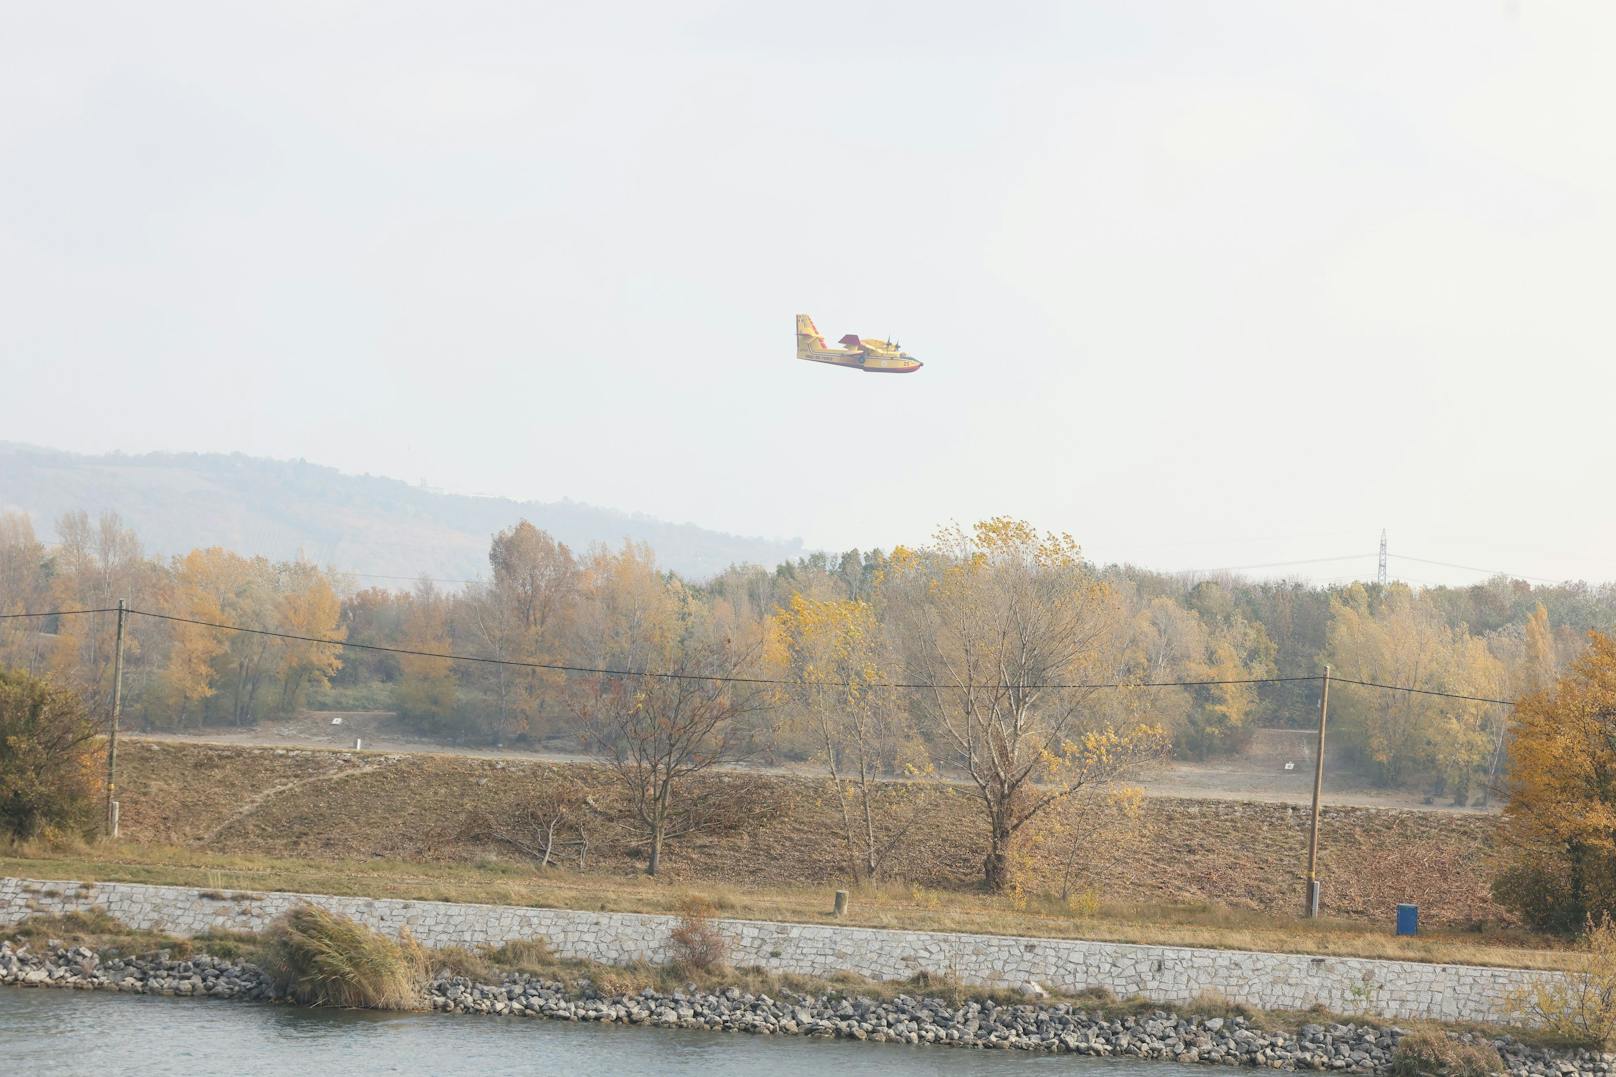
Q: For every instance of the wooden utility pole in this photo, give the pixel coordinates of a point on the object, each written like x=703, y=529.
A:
x=112, y=728
x=1311, y=901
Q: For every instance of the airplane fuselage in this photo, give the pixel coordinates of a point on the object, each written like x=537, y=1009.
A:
x=859, y=360
x=870, y=356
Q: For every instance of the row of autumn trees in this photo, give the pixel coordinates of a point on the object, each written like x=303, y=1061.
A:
x=993, y=621
x=544, y=603
x=178, y=675
x=954, y=657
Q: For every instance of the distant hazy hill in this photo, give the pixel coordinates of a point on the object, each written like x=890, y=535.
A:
x=177, y=501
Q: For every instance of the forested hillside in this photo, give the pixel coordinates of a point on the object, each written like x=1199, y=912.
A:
x=284, y=509
x=855, y=621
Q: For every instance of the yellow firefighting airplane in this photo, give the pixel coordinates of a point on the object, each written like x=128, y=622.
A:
x=870, y=356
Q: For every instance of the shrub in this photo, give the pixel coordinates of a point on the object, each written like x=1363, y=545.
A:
x=1434, y=1053
x=1579, y=1006
x=694, y=944
x=321, y=958
x=1541, y=895
x=50, y=759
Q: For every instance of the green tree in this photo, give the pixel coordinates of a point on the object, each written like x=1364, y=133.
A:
x=50, y=758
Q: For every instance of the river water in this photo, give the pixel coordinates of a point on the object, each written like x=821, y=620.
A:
x=90, y=1032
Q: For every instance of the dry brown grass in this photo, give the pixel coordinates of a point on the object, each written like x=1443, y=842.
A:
x=488, y=964
x=347, y=806
x=1433, y=1052
x=485, y=963
x=503, y=882
x=109, y=937
x=1202, y=873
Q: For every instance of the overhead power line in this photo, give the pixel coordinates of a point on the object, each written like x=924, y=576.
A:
x=1366, y=556
x=55, y=613
x=1279, y=564
x=666, y=675
x=481, y=659
x=1422, y=691
x=722, y=679
x=409, y=579
x=1473, y=568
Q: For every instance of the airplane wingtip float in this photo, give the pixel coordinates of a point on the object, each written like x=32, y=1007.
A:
x=870, y=356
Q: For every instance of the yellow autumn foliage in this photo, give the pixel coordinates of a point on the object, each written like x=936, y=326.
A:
x=1561, y=815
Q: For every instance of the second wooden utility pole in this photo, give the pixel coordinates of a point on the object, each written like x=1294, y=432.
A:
x=112, y=728
x=1311, y=906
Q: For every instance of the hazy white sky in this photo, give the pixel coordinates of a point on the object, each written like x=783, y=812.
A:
x=1205, y=284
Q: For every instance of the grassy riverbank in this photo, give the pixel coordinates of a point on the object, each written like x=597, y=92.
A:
x=509, y=883
x=524, y=979
x=1219, y=874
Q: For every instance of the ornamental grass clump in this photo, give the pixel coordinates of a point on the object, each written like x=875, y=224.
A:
x=321, y=958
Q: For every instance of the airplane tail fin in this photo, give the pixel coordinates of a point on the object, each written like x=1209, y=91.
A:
x=808, y=337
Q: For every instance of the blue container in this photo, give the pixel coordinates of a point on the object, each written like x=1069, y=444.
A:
x=1408, y=919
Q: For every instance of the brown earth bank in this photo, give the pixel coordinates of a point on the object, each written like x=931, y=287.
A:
x=1275, y=765
x=338, y=805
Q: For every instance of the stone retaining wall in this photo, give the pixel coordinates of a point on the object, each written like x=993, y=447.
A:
x=1166, y=974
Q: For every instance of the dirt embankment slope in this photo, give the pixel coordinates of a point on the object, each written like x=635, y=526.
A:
x=418, y=807
x=1275, y=766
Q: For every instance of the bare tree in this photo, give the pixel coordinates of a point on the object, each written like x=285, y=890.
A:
x=657, y=733
x=553, y=819
x=1005, y=619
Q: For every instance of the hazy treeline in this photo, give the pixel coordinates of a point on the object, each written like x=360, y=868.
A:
x=605, y=607
x=176, y=675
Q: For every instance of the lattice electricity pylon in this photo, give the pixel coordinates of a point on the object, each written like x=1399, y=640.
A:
x=1380, y=577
